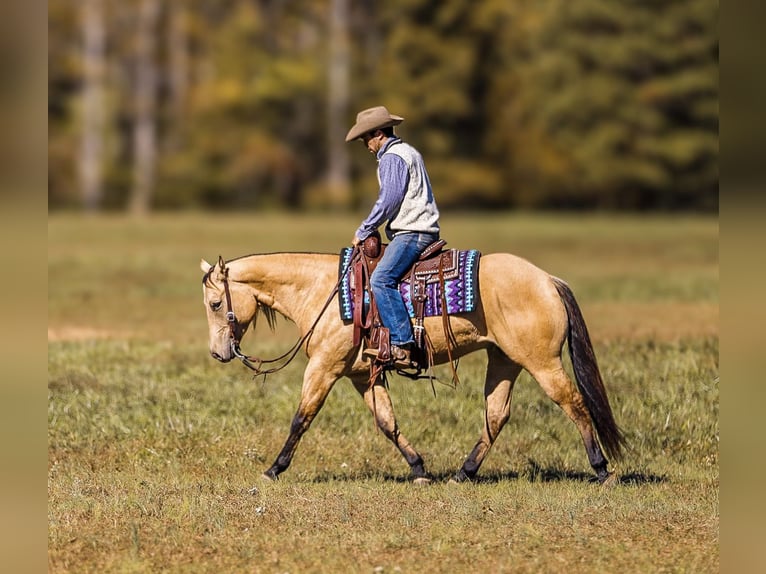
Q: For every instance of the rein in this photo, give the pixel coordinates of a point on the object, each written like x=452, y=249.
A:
x=255, y=363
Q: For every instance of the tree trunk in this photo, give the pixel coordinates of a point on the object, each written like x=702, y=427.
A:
x=178, y=72
x=145, y=94
x=92, y=144
x=338, y=177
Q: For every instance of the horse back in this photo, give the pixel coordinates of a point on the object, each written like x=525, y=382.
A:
x=520, y=300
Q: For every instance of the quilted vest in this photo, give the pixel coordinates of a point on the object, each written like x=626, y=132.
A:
x=418, y=212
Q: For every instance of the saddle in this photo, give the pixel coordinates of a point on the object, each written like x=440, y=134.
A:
x=435, y=265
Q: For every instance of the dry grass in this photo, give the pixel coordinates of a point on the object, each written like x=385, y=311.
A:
x=155, y=450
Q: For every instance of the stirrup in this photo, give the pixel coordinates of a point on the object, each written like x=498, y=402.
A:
x=405, y=362
x=398, y=364
x=370, y=353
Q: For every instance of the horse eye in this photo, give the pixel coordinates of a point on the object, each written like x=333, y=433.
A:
x=215, y=305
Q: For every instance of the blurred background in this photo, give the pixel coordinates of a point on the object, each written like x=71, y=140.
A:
x=164, y=106
x=244, y=104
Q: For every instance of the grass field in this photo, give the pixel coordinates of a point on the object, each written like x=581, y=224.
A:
x=155, y=450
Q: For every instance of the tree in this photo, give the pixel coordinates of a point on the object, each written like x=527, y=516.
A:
x=178, y=72
x=93, y=106
x=244, y=103
x=431, y=70
x=614, y=104
x=338, y=174
x=145, y=98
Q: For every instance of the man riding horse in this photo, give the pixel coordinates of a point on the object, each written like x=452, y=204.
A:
x=406, y=203
x=520, y=315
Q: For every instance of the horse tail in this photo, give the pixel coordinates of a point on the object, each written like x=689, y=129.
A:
x=587, y=374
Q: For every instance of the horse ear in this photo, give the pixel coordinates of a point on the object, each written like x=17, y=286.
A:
x=204, y=265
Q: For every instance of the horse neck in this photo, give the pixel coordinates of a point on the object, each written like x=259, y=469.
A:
x=290, y=283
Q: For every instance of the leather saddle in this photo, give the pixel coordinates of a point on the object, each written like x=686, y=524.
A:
x=435, y=264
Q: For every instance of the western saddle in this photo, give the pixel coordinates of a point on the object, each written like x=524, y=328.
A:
x=434, y=265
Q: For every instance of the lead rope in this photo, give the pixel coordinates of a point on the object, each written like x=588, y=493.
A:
x=255, y=363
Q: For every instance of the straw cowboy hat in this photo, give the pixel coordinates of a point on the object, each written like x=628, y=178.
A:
x=372, y=119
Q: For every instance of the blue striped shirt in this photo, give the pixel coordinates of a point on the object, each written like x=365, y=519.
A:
x=394, y=180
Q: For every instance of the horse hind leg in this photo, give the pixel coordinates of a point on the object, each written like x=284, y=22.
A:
x=498, y=390
x=378, y=400
x=560, y=388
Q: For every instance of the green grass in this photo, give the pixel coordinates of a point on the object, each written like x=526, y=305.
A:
x=155, y=450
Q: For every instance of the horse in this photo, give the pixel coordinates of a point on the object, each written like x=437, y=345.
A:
x=521, y=319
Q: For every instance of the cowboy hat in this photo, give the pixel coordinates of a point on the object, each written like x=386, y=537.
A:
x=372, y=119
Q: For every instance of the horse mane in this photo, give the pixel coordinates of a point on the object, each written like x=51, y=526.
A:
x=269, y=313
x=261, y=309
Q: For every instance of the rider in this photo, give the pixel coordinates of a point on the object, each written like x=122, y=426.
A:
x=406, y=203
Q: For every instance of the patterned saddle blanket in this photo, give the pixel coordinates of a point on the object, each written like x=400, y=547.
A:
x=460, y=271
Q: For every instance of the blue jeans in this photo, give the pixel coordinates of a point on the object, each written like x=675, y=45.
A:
x=399, y=256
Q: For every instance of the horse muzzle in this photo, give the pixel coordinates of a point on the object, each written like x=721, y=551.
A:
x=224, y=354
x=220, y=358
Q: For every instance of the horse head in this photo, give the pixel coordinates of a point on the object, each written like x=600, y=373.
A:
x=230, y=306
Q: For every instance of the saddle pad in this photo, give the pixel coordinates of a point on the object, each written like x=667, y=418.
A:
x=461, y=290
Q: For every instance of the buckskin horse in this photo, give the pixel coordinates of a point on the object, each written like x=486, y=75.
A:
x=522, y=318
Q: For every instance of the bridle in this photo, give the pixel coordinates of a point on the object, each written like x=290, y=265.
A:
x=255, y=363
x=231, y=319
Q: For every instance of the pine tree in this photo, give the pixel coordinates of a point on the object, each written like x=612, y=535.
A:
x=614, y=104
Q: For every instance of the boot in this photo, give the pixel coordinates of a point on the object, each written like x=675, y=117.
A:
x=401, y=357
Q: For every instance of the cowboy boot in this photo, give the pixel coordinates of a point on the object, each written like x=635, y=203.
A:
x=401, y=357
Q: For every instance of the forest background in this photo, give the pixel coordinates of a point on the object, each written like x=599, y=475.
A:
x=244, y=104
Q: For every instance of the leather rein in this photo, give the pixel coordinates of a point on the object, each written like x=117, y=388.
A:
x=254, y=363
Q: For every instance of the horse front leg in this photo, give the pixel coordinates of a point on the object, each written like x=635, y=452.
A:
x=379, y=402
x=317, y=383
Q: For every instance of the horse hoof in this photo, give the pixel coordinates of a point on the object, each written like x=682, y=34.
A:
x=266, y=477
x=422, y=481
x=459, y=478
x=609, y=481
